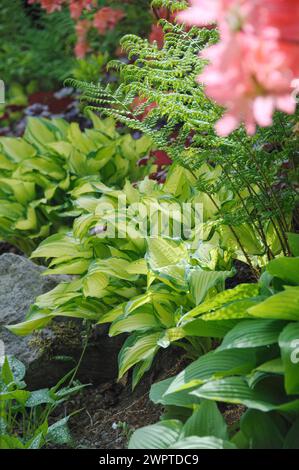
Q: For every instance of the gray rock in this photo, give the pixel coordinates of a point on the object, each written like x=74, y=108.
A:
x=50, y=353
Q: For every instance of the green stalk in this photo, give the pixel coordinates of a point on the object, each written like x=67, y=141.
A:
x=259, y=229
x=268, y=189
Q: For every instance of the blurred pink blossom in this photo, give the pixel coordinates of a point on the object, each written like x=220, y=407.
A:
x=234, y=13
x=49, y=5
x=77, y=6
x=82, y=46
x=104, y=18
x=252, y=68
x=107, y=18
x=250, y=77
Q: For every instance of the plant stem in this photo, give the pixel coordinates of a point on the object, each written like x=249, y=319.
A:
x=259, y=229
x=269, y=190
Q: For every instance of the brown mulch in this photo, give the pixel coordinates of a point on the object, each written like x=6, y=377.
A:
x=110, y=412
x=233, y=414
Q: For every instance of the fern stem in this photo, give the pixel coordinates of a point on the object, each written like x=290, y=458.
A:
x=259, y=229
x=267, y=209
x=246, y=255
x=282, y=221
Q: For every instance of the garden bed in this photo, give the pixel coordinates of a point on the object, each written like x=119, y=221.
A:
x=149, y=214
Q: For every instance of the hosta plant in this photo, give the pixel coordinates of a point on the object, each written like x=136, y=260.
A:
x=25, y=415
x=38, y=171
x=261, y=171
x=131, y=272
x=256, y=366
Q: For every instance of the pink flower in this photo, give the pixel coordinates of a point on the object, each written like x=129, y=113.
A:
x=200, y=13
x=107, y=18
x=81, y=49
x=77, y=6
x=82, y=46
x=203, y=12
x=82, y=28
x=49, y=5
x=280, y=15
x=250, y=77
x=252, y=68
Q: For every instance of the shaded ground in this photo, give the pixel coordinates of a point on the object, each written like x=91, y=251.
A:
x=7, y=248
x=111, y=412
x=110, y=416
x=243, y=275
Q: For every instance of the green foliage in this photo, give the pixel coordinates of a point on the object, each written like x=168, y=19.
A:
x=169, y=289
x=172, y=5
x=255, y=366
x=38, y=171
x=182, y=124
x=39, y=46
x=141, y=283
x=35, y=49
x=172, y=434
x=137, y=20
x=90, y=68
x=166, y=77
x=160, y=290
x=24, y=414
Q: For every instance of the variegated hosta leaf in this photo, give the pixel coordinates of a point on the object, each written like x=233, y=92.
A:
x=44, y=169
x=59, y=245
x=157, y=436
x=169, y=434
x=138, y=347
x=163, y=252
x=137, y=321
x=60, y=295
x=116, y=267
x=201, y=281
x=73, y=266
x=239, y=293
x=171, y=335
x=235, y=310
x=281, y=306
x=95, y=284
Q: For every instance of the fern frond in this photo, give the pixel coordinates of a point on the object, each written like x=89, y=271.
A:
x=182, y=123
x=172, y=5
